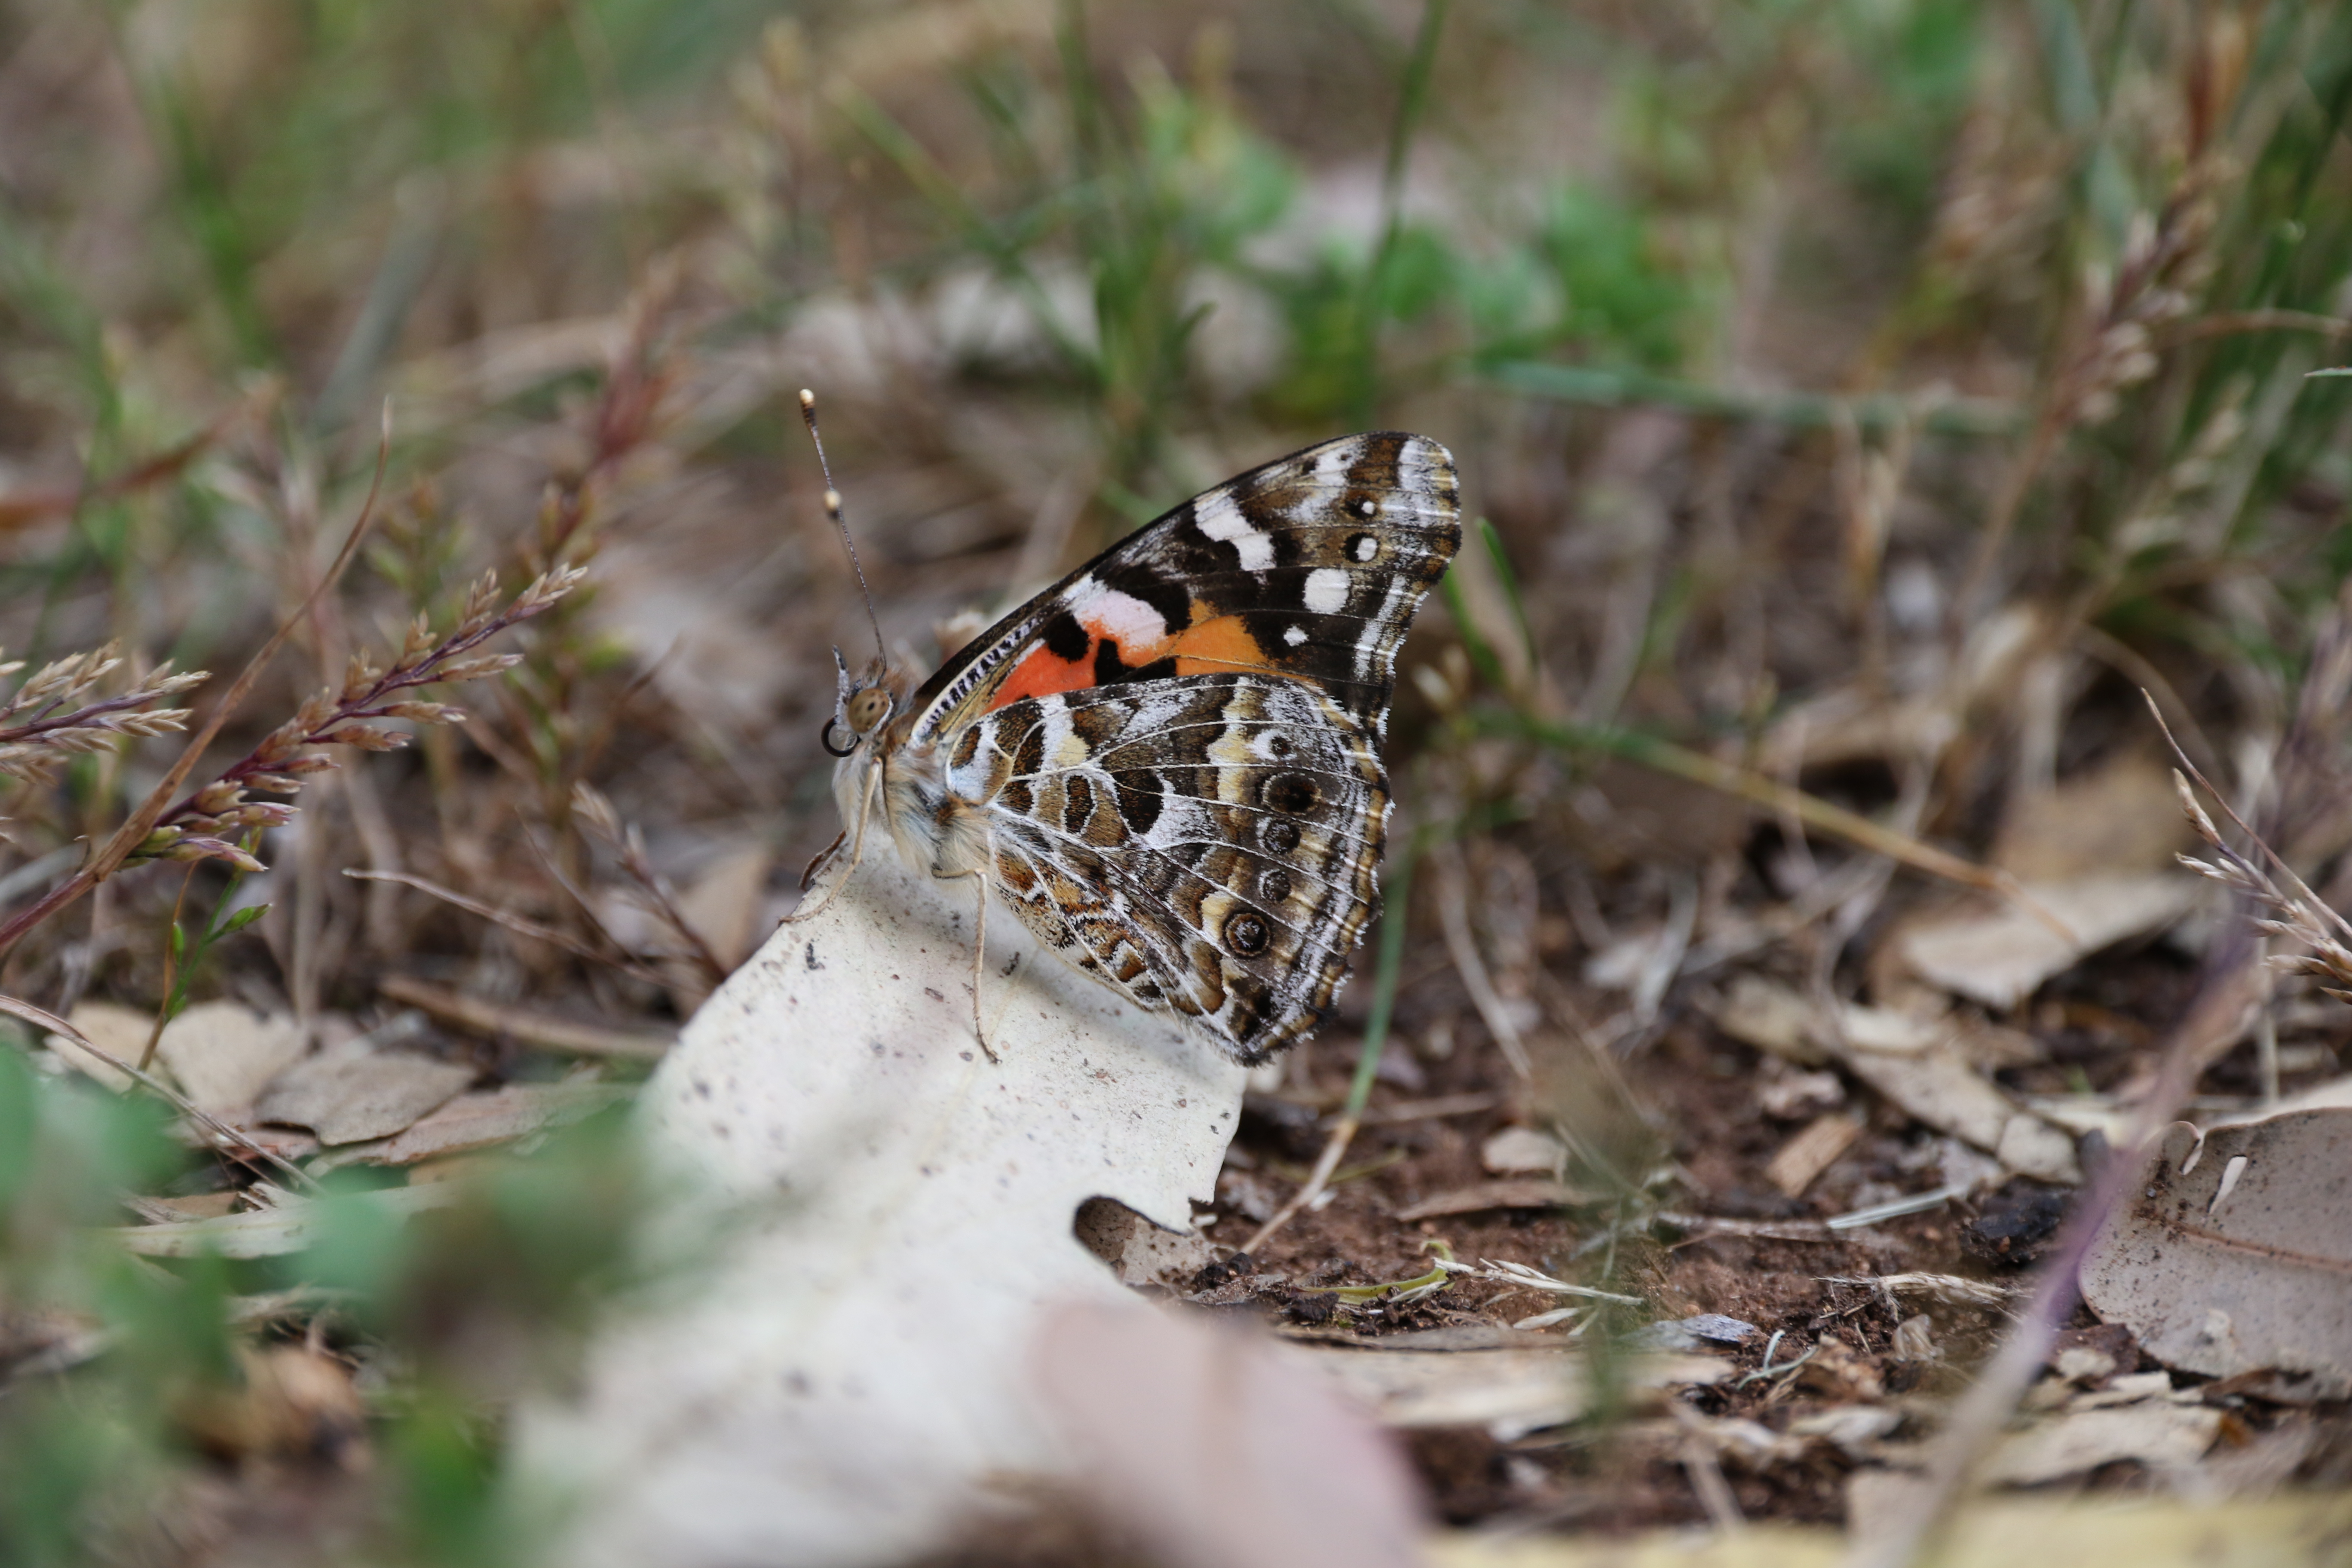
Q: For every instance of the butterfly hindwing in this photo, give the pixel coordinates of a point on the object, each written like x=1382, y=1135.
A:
x=1308, y=568
x=1204, y=844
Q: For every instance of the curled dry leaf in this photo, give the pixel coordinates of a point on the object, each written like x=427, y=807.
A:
x=1999, y=957
x=847, y=1383
x=2235, y=1252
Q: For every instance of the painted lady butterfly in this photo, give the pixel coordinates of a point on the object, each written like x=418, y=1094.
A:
x=1167, y=764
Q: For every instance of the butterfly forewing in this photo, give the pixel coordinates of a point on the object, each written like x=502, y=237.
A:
x=1308, y=568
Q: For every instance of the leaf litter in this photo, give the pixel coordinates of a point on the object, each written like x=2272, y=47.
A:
x=1857, y=1167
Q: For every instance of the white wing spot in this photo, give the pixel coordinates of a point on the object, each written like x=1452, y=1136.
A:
x=1327, y=590
x=1221, y=520
x=1368, y=509
x=1293, y=635
x=1367, y=547
x=1122, y=618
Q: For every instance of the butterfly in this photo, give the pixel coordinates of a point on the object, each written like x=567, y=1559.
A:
x=1168, y=764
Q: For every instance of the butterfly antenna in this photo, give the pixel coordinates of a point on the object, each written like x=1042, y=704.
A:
x=833, y=510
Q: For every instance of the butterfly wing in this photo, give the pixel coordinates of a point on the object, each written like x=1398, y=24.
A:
x=1307, y=569
x=1206, y=845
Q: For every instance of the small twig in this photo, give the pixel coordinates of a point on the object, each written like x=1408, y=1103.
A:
x=41, y=1018
x=1772, y=795
x=590, y=805
x=1454, y=916
x=520, y=925
x=496, y=1018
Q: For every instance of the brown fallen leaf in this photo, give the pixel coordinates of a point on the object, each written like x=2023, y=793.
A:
x=487, y=1117
x=346, y=1098
x=290, y=1402
x=2122, y=815
x=1507, y=1193
x=2235, y=1252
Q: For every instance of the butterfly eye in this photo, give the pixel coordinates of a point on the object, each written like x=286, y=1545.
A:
x=868, y=707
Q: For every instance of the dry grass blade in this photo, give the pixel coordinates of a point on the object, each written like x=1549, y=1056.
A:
x=655, y=891
x=521, y=925
x=496, y=1018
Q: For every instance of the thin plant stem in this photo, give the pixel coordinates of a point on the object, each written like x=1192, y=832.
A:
x=1413, y=98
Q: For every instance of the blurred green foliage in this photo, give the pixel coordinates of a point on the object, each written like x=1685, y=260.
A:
x=113, y=1367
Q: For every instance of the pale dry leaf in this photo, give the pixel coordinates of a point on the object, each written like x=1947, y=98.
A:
x=847, y=1382
x=348, y=1097
x=2027, y=1533
x=2241, y=1257
x=1215, y=1449
x=1771, y=1018
x=120, y=1032
x=1522, y=1152
x=2158, y=1435
x=224, y=1053
x=1998, y=956
x=723, y=900
x=1929, y=1075
x=1509, y=1391
x=1943, y=1090
x=291, y=1224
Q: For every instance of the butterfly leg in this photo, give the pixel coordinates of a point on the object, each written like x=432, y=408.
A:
x=980, y=876
x=856, y=854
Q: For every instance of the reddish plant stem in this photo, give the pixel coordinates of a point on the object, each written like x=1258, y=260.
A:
x=2215, y=1014
x=141, y=822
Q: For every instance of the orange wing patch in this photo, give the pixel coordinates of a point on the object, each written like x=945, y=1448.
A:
x=1041, y=673
x=1219, y=646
